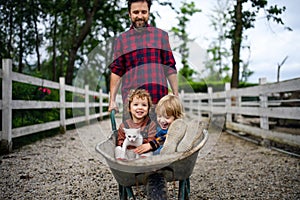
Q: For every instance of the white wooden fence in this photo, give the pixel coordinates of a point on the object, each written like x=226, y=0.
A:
x=233, y=104
x=252, y=110
x=7, y=104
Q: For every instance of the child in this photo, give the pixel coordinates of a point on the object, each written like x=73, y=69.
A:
x=169, y=110
x=139, y=104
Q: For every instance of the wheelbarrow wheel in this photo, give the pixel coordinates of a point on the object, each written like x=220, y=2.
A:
x=156, y=187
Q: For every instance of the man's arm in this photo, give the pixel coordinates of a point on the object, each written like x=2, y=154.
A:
x=115, y=81
x=174, y=83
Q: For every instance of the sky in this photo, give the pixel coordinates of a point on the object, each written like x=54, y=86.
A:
x=269, y=42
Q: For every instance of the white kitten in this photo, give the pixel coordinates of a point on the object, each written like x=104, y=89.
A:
x=133, y=138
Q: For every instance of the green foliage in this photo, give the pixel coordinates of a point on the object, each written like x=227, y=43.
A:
x=186, y=10
x=57, y=26
x=67, y=30
x=246, y=84
x=219, y=53
x=201, y=86
x=25, y=117
x=246, y=72
x=218, y=86
x=196, y=87
x=29, y=117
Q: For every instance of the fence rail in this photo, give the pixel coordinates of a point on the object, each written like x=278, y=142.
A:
x=7, y=105
x=257, y=111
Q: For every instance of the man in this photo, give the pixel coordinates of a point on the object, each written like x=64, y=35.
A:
x=142, y=58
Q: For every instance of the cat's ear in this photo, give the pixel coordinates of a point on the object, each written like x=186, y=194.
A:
x=139, y=129
x=125, y=129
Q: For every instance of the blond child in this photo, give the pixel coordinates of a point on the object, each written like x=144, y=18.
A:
x=169, y=111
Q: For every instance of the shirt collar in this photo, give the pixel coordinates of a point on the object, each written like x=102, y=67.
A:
x=147, y=25
x=148, y=28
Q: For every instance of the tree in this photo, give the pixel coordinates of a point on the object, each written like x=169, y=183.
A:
x=89, y=9
x=18, y=30
x=100, y=49
x=220, y=54
x=243, y=20
x=186, y=10
x=66, y=30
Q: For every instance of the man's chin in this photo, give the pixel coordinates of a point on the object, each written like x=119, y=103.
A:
x=139, y=25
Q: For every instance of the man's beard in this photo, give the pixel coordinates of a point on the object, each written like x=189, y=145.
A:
x=139, y=24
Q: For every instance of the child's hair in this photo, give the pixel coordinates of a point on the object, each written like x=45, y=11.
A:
x=141, y=94
x=170, y=105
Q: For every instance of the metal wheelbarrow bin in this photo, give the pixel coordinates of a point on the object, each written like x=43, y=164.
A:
x=154, y=171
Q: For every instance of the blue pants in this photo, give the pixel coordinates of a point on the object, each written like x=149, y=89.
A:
x=157, y=151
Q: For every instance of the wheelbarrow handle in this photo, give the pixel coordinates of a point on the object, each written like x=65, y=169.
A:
x=113, y=120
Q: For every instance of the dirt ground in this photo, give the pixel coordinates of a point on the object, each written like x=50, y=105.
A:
x=66, y=166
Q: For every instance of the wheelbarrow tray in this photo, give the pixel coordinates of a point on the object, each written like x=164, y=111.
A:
x=176, y=166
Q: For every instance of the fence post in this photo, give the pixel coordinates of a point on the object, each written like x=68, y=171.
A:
x=228, y=102
x=238, y=103
x=101, y=103
x=210, y=101
x=87, y=107
x=62, y=99
x=264, y=121
x=181, y=97
x=6, y=139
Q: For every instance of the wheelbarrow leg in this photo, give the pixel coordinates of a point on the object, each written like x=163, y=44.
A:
x=125, y=193
x=184, y=189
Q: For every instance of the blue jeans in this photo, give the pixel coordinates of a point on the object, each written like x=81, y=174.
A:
x=157, y=151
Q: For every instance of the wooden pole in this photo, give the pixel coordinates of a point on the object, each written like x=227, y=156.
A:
x=264, y=121
x=62, y=98
x=228, y=102
x=87, y=107
x=6, y=139
x=101, y=104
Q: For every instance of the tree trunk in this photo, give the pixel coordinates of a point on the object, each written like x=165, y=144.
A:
x=70, y=68
x=236, y=44
x=54, y=76
x=37, y=44
x=20, y=68
x=10, y=46
x=82, y=35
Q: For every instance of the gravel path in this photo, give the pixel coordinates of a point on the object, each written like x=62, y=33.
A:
x=67, y=167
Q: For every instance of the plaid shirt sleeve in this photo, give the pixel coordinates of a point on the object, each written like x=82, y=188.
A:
x=167, y=55
x=118, y=65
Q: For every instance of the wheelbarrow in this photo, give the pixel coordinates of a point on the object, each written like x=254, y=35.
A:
x=154, y=171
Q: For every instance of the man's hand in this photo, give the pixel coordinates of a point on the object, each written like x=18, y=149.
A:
x=115, y=82
x=173, y=83
x=113, y=106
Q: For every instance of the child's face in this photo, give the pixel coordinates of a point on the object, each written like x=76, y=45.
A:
x=139, y=108
x=164, y=120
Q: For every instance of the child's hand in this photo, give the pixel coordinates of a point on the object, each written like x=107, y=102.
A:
x=143, y=148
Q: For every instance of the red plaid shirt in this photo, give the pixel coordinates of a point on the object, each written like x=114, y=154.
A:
x=144, y=59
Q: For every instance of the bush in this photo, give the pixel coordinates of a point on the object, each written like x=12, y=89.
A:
x=217, y=86
x=24, y=117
